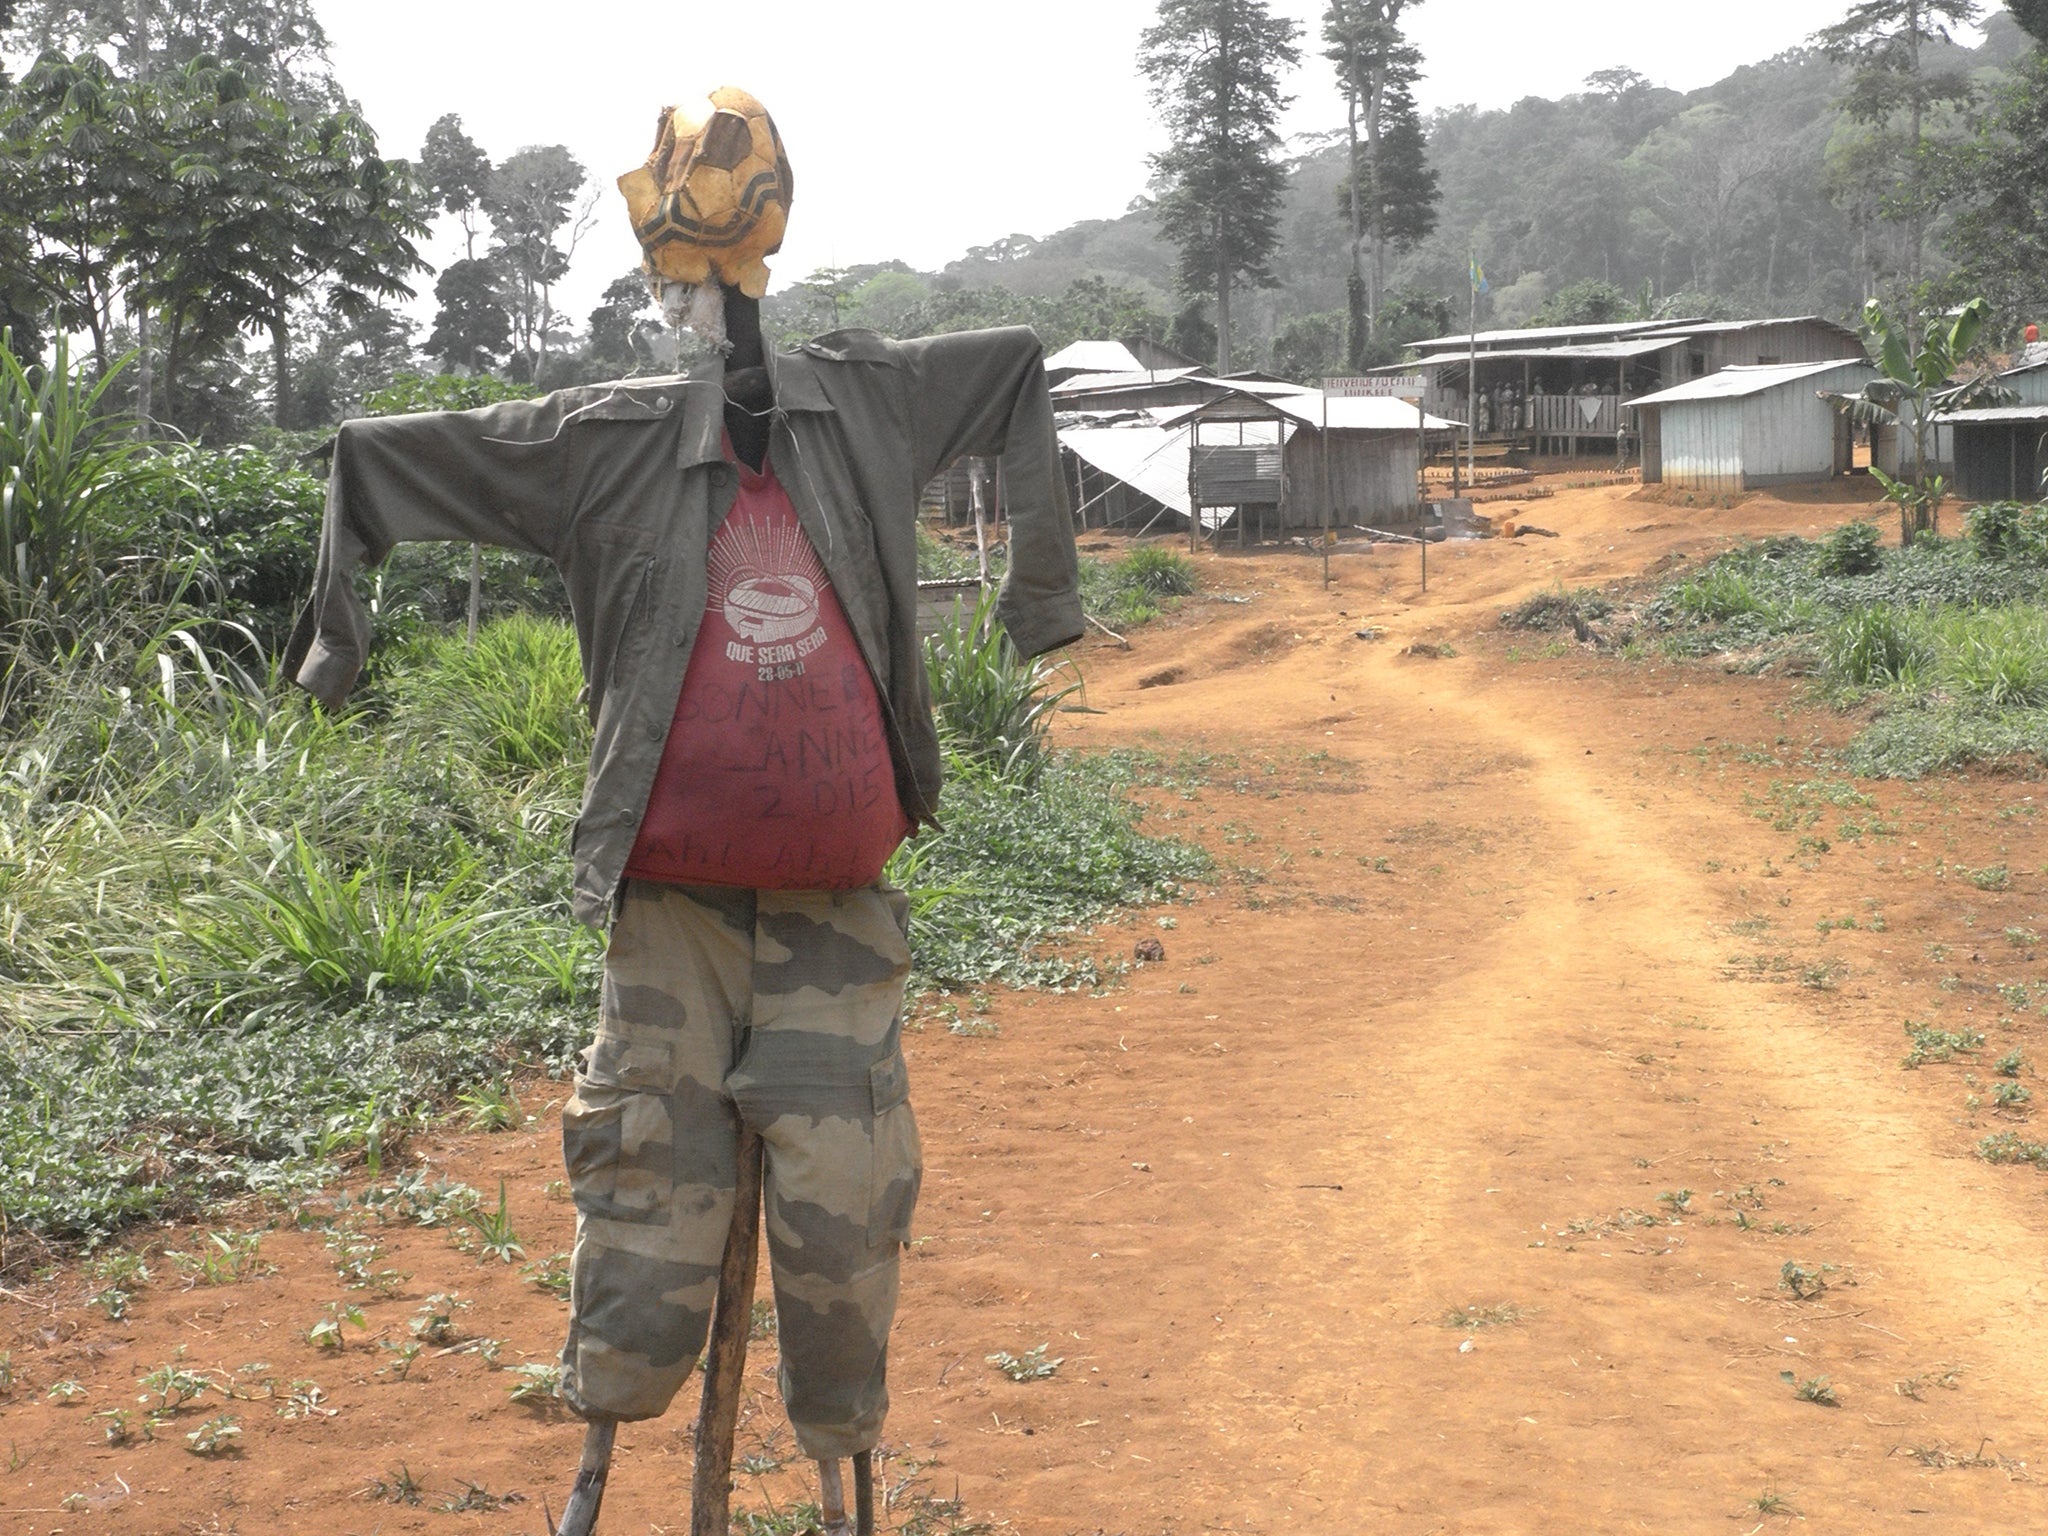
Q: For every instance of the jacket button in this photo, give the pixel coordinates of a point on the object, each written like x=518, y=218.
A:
x=656, y=732
x=662, y=404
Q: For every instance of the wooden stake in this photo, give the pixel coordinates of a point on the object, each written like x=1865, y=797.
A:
x=731, y=1321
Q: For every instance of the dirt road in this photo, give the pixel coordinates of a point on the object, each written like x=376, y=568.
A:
x=1444, y=1177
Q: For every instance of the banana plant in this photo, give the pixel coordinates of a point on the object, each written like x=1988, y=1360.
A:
x=1919, y=383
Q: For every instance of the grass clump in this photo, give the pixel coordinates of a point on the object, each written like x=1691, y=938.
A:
x=1948, y=638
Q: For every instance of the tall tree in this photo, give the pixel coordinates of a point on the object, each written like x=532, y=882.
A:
x=1214, y=67
x=472, y=330
x=1389, y=189
x=457, y=173
x=77, y=172
x=1999, y=189
x=538, y=222
x=1883, y=42
x=279, y=44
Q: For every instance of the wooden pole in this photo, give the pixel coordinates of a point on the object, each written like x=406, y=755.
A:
x=732, y=1319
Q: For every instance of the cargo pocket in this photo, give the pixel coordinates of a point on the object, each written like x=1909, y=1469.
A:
x=898, y=1155
x=618, y=1133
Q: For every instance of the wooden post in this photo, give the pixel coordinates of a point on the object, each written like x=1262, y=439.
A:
x=732, y=1319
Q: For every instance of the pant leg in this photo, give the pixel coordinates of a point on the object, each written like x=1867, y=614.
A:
x=822, y=1078
x=649, y=1139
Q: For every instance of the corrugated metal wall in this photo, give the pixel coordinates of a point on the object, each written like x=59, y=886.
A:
x=1373, y=478
x=1999, y=461
x=1700, y=442
x=1798, y=341
x=1781, y=436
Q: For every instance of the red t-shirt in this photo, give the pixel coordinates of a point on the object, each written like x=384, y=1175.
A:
x=776, y=774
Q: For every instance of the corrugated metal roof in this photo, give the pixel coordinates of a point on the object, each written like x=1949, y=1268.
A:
x=1587, y=352
x=1089, y=383
x=1722, y=327
x=1735, y=382
x=1151, y=459
x=1549, y=332
x=1993, y=413
x=1095, y=357
x=1306, y=407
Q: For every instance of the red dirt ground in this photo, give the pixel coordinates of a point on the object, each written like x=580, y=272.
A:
x=1440, y=1179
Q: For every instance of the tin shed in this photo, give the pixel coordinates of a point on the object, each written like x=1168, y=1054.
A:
x=2000, y=452
x=1743, y=428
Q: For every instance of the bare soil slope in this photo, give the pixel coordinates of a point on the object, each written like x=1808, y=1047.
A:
x=1442, y=1178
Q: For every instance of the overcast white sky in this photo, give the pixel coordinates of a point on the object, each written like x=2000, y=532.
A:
x=918, y=128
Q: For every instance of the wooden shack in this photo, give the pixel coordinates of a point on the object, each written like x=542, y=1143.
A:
x=1747, y=427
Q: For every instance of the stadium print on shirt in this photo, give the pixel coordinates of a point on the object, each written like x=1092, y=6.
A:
x=776, y=774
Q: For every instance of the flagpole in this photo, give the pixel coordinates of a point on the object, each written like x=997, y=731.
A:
x=1472, y=381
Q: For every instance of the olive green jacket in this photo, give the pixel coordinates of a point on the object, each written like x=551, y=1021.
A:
x=622, y=486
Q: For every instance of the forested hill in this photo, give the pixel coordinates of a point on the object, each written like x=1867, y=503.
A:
x=1745, y=197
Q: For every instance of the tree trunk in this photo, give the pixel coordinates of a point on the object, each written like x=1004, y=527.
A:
x=1360, y=317
x=281, y=359
x=1376, y=216
x=1221, y=227
x=1915, y=172
x=145, y=372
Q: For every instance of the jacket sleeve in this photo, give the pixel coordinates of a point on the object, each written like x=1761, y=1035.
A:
x=491, y=476
x=984, y=393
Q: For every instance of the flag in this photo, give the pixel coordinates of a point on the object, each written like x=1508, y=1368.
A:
x=1479, y=277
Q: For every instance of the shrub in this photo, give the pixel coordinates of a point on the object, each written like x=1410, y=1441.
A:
x=1156, y=570
x=1851, y=550
x=2010, y=531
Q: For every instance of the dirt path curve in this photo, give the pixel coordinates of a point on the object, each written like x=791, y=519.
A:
x=1395, y=1103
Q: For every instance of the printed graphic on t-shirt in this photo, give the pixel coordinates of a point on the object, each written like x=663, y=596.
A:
x=765, y=578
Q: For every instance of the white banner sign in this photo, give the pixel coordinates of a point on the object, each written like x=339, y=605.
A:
x=1398, y=386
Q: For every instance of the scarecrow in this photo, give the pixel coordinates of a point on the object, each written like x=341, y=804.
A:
x=739, y=551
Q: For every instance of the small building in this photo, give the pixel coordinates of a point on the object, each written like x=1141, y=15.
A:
x=1747, y=427
x=1891, y=448
x=2000, y=451
x=1568, y=389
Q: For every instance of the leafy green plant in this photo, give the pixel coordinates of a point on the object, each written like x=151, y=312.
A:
x=1917, y=383
x=225, y=1258
x=347, y=936
x=1932, y=1044
x=494, y=1232
x=1813, y=1389
x=434, y=1322
x=993, y=707
x=1851, y=550
x=552, y=1274
x=491, y=1107
x=173, y=1386
x=218, y=1436
x=69, y=484
x=535, y=1384
x=1877, y=647
x=514, y=698
x=1804, y=1283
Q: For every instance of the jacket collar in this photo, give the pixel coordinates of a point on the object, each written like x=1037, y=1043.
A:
x=790, y=377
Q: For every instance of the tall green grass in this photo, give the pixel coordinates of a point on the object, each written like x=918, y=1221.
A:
x=241, y=939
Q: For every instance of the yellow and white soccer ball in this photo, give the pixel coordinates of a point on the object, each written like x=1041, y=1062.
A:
x=714, y=195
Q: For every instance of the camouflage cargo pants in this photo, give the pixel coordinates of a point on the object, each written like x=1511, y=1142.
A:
x=781, y=1009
